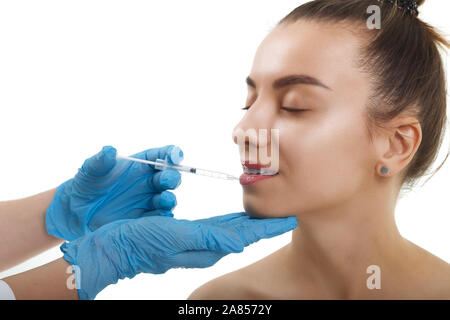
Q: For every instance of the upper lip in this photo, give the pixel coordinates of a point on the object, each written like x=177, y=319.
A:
x=254, y=166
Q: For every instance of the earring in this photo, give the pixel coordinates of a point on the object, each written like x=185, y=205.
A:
x=384, y=170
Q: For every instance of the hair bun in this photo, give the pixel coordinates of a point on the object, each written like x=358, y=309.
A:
x=410, y=6
x=420, y=2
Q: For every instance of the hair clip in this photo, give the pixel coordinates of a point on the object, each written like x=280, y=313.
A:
x=409, y=5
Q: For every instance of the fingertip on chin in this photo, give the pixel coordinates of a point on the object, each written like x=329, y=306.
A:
x=293, y=221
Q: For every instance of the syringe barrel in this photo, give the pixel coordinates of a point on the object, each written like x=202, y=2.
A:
x=163, y=164
x=213, y=174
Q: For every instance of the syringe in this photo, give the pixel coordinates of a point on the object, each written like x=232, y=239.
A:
x=160, y=164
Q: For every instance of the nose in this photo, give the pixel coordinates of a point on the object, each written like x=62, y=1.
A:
x=260, y=116
x=253, y=132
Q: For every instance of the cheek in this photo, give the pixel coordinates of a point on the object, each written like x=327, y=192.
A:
x=321, y=164
x=326, y=162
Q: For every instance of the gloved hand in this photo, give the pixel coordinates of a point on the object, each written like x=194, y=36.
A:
x=156, y=243
x=106, y=189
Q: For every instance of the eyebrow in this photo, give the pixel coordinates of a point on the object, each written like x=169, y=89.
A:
x=291, y=80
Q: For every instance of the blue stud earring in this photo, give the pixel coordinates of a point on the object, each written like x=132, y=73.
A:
x=384, y=170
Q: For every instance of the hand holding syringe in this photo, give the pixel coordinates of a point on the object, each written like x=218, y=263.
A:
x=137, y=213
x=161, y=164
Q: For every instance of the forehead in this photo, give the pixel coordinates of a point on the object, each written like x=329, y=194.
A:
x=324, y=50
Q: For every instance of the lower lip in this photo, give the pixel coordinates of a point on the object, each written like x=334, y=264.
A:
x=246, y=179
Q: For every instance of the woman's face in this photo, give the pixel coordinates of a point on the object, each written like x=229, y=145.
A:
x=325, y=154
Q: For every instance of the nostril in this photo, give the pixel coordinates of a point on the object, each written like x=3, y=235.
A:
x=236, y=134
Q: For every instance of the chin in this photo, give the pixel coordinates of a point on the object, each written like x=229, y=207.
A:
x=261, y=209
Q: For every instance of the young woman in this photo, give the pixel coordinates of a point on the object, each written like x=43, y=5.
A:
x=361, y=114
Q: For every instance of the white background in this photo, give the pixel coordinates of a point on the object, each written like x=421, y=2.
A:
x=78, y=75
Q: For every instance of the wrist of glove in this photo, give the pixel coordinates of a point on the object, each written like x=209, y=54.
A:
x=59, y=221
x=95, y=256
x=156, y=243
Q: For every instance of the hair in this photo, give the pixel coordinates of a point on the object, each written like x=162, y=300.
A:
x=405, y=68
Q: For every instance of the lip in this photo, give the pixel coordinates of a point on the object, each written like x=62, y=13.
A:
x=257, y=169
x=247, y=179
x=254, y=166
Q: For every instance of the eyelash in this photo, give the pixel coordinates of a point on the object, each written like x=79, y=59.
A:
x=293, y=110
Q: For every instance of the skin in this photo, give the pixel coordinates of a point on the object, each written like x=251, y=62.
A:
x=54, y=281
x=22, y=224
x=329, y=178
x=23, y=221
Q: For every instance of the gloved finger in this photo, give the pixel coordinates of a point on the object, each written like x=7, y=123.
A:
x=208, y=237
x=173, y=153
x=196, y=259
x=165, y=200
x=157, y=212
x=131, y=210
x=165, y=179
x=187, y=235
x=101, y=163
x=233, y=238
x=255, y=229
x=222, y=219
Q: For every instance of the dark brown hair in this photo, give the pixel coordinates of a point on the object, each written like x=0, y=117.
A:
x=405, y=67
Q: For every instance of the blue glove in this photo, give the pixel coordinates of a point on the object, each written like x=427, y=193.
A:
x=106, y=189
x=157, y=243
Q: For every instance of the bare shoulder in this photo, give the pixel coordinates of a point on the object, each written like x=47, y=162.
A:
x=442, y=278
x=434, y=273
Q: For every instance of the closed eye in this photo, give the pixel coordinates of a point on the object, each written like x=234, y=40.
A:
x=283, y=108
x=292, y=109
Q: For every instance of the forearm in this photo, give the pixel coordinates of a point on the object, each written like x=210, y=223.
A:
x=54, y=280
x=22, y=229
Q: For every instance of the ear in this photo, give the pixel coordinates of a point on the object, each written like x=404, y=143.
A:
x=400, y=142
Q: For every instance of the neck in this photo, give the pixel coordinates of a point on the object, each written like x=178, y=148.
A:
x=334, y=247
